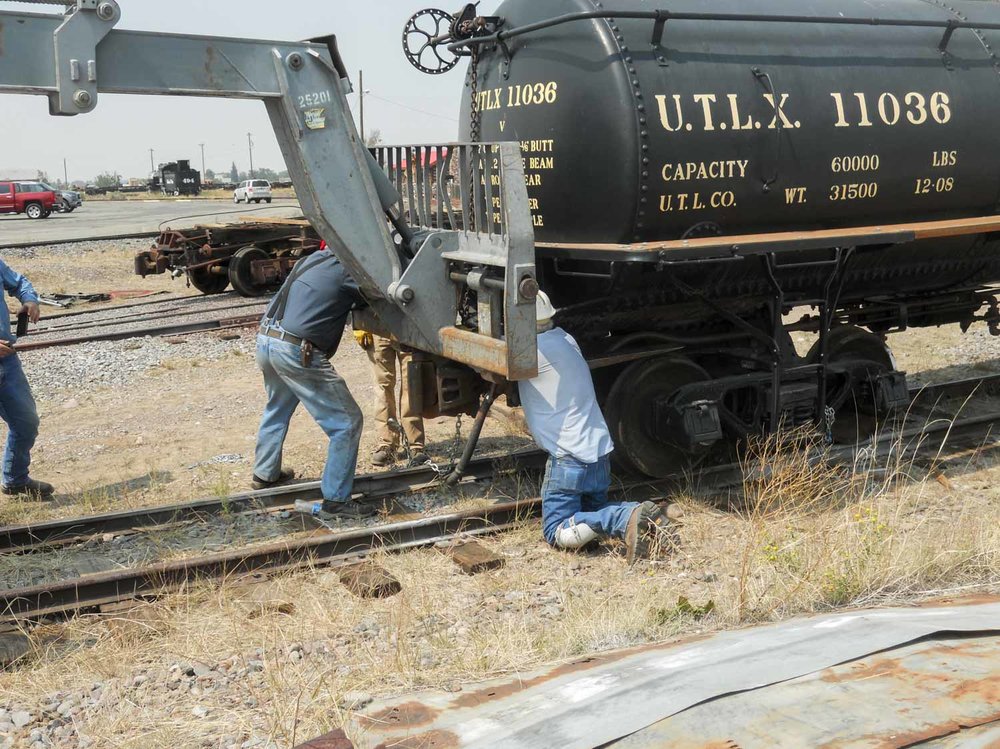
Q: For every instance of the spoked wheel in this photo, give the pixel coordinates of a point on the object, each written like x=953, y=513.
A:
x=856, y=413
x=642, y=447
x=207, y=282
x=241, y=272
x=425, y=39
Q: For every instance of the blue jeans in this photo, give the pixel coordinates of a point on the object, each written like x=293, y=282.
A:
x=578, y=491
x=17, y=409
x=325, y=396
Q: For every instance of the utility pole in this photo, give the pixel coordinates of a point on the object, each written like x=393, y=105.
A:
x=202, y=160
x=152, y=167
x=361, y=96
x=250, y=142
x=65, y=174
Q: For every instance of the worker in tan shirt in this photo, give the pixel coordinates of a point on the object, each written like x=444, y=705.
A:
x=385, y=354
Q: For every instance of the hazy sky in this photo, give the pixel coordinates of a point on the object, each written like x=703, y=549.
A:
x=117, y=136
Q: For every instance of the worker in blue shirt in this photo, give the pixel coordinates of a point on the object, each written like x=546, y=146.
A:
x=17, y=406
x=299, y=334
x=560, y=406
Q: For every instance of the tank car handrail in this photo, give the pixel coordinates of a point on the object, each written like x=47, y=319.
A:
x=662, y=16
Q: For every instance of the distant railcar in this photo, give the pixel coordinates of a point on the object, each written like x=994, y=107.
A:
x=178, y=178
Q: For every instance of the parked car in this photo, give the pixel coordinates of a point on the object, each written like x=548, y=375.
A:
x=253, y=190
x=32, y=199
x=67, y=201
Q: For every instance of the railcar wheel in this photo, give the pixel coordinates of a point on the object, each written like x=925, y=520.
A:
x=629, y=410
x=207, y=282
x=241, y=272
x=857, y=416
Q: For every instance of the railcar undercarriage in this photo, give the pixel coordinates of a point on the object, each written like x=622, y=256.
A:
x=685, y=371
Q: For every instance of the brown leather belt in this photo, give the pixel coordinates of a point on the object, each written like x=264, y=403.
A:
x=307, y=347
x=282, y=336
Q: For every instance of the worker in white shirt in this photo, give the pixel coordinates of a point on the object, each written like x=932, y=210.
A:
x=561, y=409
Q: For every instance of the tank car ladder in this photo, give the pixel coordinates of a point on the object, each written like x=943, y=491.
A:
x=825, y=306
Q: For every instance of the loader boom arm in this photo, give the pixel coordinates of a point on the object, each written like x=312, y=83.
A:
x=75, y=57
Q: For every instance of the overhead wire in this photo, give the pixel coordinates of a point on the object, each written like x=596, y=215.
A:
x=412, y=109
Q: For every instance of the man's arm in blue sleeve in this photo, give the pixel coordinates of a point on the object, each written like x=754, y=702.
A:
x=17, y=285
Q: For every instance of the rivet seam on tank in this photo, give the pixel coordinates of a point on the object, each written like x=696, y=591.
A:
x=640, y=107
x=978, y=32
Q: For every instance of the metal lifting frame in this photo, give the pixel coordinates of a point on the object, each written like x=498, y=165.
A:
x=73, y=57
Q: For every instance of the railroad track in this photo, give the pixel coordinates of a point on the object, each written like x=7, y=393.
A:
x=327, y=548
x=24, y=539
x=140, y=318
x=174, y=316
x=34, y=537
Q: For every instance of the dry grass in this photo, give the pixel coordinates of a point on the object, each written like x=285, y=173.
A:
x=807, y=536
x=815, y=533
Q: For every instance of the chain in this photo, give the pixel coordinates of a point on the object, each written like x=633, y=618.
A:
x=475, y=128
x=475, y=116
x=830, y=416
x=443, y=471
x=397, y=428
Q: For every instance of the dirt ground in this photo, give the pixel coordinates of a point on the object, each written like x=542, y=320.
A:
x=275, y=664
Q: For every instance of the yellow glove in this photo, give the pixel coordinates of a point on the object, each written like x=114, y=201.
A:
x=364, y=339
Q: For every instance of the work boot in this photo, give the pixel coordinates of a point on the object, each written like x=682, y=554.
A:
x=420, y=458
x=640, y=533
x=349, y=510
x=383, y=456
x=31, y=488
x=283, y=477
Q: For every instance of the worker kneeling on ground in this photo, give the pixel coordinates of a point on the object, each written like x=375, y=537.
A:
x=299, y=334
x=17, y=406
x=561, y=409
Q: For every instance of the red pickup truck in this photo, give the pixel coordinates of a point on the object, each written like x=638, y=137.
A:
x=29, y=198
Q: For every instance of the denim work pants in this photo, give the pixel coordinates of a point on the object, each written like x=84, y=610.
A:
x=327, y=399
x=17, y=409
x=578, y=491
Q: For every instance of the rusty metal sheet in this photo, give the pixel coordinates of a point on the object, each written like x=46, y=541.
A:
x=983, y=737
x=932, y=689
x=600, y=700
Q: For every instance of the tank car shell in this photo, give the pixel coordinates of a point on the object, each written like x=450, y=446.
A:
x=748, y=126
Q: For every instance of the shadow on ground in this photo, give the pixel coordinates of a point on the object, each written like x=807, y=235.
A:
x=117, y=490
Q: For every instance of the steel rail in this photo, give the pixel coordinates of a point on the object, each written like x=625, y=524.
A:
x=49, y=242
x=373, y=486
x=157, y=331
x=144, y=316
x=90, y=592
x=326, y=549
x=988, y=385
x=159, y=297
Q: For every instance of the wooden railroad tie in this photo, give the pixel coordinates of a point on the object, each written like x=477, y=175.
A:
x=368, y=580
x=13, y=647
x=474, y=558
